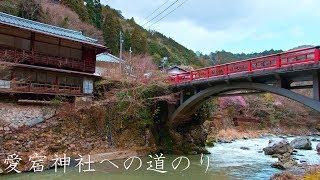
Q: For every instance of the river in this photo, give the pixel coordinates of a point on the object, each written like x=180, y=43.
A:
x=226, y=161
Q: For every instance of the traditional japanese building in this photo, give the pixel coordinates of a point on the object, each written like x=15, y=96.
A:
x=41, y=59
x=110, y=66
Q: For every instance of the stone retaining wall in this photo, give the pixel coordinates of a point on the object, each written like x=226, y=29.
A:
x=13, y=116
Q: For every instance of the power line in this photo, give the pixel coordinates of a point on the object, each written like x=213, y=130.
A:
x=169, y=13
x=161, y=12
x=155, y=10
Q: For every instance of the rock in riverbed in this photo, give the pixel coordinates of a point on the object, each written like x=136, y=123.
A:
x=301, y=143
x=224, y=141
x=244, y=148
x=318, y=148
x=278, y=147
x=285, y=161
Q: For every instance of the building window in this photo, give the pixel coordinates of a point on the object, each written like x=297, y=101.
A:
x=42, y=78
x=51, y=79
x=32, y=77
x=70, y=53
x=62, y=81
x=5, y=74
x=46, y=48
x=6, y=40
x=76, y=54
x=70, y=81
x=15, y=42
x=21, y=76
x=65, y=52
x=23, y=44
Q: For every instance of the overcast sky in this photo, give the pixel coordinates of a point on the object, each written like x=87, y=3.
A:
x=232, y=25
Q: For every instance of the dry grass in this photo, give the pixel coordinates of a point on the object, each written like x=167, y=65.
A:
x=313, y=173
x=284, y=176
x=63, y=16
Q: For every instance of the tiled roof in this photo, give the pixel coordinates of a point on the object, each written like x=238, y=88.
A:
x=45, y=28
x=106, y=57
x=177, y=67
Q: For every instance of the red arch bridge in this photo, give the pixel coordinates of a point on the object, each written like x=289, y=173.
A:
x=278, y=73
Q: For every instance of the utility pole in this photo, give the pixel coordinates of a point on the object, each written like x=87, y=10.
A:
x=120, y=54
x=121, y=44
x=130, y=52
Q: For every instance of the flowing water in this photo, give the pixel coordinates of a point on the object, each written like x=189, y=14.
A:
x=227, y=161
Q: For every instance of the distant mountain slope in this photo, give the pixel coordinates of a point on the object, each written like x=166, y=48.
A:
x=221, y=57
x=302, y=46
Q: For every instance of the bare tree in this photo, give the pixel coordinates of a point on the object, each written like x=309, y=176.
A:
x=30, y=9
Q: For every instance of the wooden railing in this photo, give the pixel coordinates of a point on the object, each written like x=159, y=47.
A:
x=45, y=88
x=276, y=61
x=27, y=57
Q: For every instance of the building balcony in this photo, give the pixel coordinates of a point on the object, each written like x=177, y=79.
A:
x=27, y=57
x=39, y=88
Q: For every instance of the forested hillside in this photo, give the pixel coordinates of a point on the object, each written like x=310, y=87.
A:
x=105, y=24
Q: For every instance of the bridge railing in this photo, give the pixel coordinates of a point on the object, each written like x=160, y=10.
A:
x=275, y=61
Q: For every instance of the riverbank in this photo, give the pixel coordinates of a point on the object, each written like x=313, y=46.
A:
x=74, y=132
x=235, y=133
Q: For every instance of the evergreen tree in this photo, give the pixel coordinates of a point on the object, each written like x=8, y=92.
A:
x=78, y=7
x=98, y=13
x=111, y=32
x=94, y=10
x=139, y=41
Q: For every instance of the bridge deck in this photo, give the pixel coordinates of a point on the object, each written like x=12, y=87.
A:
x=290, y=63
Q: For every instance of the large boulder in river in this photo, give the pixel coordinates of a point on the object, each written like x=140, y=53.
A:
x=301, y=143
x=285, y=161
x=278, y=147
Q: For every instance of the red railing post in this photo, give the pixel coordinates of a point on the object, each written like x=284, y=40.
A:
x=279, y=62
x=209, y=72
x=250, y=66
x=226, y=70
x=191, y=76
x=317, y=55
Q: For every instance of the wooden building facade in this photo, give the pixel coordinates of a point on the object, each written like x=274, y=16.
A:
x=38, y=58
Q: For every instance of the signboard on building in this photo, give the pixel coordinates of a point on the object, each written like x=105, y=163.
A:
x=5, y=84
x=87, y=86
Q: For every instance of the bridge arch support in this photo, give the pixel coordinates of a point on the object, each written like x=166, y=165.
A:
x=188, y=108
